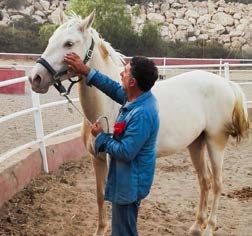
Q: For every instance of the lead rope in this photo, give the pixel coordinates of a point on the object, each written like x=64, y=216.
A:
x=98, y=120
x=107, y=123
x=75, y=107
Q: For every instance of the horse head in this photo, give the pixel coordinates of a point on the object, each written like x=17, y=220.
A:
x=73, y=35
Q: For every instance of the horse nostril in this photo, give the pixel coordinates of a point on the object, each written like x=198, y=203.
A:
x=37, y=80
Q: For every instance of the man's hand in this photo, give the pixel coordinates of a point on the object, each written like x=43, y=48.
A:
x=75, y=64
x=96, y=128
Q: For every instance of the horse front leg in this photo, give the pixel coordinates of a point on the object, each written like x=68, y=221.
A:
x=101, y=170
x=197, y=151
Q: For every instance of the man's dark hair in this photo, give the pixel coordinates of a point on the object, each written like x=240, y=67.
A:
x=144, y=71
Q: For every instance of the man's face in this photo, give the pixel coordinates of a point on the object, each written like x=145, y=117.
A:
x=126, y=77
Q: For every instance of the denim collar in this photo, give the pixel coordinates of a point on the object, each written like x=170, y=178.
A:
x=139, y=100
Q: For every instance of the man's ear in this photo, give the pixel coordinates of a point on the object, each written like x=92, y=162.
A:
x=133, y=81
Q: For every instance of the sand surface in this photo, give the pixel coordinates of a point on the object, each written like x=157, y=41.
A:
x=63, y=203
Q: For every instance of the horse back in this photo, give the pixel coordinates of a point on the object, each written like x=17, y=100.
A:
x=196, y=102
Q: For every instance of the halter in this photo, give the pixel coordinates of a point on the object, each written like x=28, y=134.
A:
x=57, y=74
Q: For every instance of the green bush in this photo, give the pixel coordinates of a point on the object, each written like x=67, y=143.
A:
x=27, y=23
x=113, y=23
x=19, y=41
x=151, y=42
x=45, y=32
x=201, y=49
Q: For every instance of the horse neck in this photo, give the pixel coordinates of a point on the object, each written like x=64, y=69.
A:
x=94, y=103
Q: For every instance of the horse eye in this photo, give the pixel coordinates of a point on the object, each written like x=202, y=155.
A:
x=68, y=44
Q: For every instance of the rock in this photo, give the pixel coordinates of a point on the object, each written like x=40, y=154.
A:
x=204, y=19
x=203, y=36
x=225, y=38
x=180, y=35
x=192, y=39
x=223, y=19
x=28, y=11
x=236, y=44
x=191, y=14
x=54, y=17
x=45, y=5
x=165, y=7
x=181, y=22
x=236, y=33
x=228, y=23
x=155, y=17
x=38, y=6
x=164, y=31
x=16, y=17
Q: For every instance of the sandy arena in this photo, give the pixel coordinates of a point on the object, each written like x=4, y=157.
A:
x=63, y=203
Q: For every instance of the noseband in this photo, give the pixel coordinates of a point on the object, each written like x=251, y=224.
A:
x=57, y=74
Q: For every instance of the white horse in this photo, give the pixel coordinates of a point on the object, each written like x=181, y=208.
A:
x=198, y=110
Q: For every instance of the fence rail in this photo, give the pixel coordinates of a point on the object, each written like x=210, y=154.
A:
x=37, y=108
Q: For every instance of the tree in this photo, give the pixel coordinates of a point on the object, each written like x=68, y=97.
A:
x=27, y=23
x=151, y=41
x=18, y=40
x=45, y=32
x=112, y=21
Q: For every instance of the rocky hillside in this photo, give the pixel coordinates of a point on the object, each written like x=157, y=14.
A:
x=228, y=23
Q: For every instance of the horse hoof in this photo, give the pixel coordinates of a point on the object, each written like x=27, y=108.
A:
x=101, y=231
x=195, y=229
x=207, y=233
x=195, y=232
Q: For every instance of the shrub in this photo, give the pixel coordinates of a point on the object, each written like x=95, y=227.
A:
x=27, y=23
x=45, y=33
x=201, y=49
x=19, y=41
x=151, y=42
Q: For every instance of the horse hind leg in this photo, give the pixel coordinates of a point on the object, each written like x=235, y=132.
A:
x=197, y=150
x=215, y=147
x=101, y=170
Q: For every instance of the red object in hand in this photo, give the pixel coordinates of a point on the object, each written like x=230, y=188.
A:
x=119, y=127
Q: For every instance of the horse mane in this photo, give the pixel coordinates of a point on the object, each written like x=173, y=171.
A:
x=107, y=50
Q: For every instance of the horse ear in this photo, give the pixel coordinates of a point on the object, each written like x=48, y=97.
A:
x=88, y=21
x=62, y=17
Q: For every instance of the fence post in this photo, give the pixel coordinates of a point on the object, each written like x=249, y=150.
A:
x=226, y=71
x=164, y=71
x=220, y=69
x=39, y=129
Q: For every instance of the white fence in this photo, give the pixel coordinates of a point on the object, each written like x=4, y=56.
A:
x=37, y=107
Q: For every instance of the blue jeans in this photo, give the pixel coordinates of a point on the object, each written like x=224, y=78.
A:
x=124, y=219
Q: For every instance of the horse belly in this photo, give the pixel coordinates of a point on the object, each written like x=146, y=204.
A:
x=190, y=104
x=176, y=133
x=182, y=113
x=181, y=122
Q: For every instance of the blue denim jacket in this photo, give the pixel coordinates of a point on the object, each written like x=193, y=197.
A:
x=133, y=150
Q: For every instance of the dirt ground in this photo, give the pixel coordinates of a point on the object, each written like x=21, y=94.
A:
x=63, y=203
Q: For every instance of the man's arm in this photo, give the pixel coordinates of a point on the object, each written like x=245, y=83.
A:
x=93, y=77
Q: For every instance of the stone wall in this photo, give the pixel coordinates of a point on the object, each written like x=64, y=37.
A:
x=228, y=23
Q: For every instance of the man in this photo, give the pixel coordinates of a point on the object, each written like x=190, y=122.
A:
x=132, y=147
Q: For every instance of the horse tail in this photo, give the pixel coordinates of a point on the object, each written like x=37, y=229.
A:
x=240, y=121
